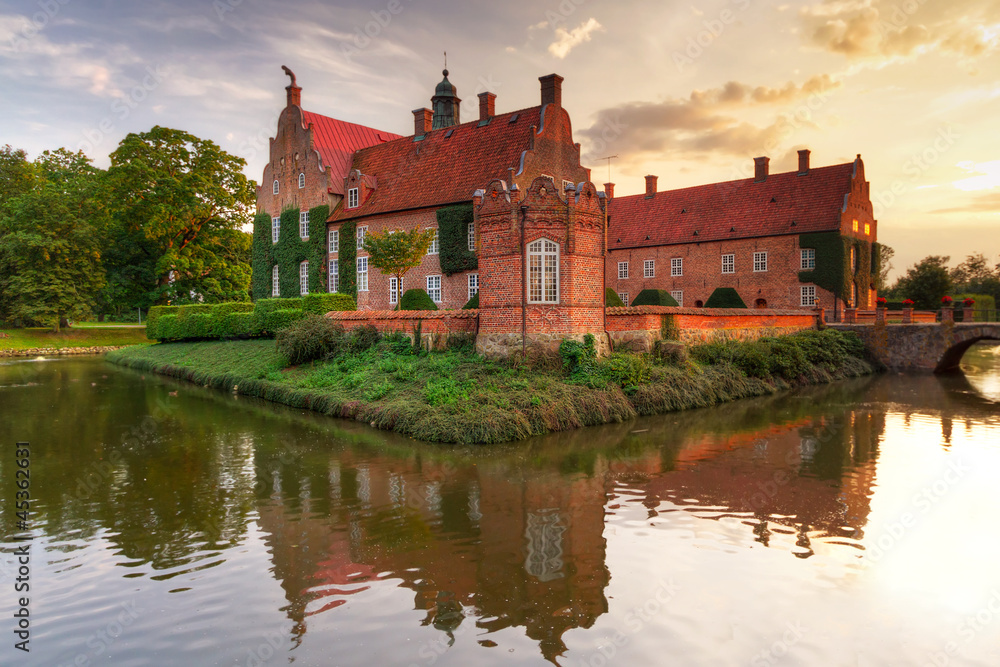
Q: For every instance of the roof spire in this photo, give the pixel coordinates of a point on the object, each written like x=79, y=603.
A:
x=445, y=102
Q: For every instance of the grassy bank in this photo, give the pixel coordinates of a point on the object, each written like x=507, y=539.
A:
x=26, y=339
x=458, y=397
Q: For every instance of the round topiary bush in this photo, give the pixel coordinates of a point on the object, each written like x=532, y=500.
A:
x=612, y=300
x=725, y=297
x=416, y=299
x=654, y=297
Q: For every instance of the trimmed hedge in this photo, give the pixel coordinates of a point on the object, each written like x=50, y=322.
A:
x=416, y=299
x=453, y=239
x=347, y=269
x=472, y=304
x=324, y=303
x=725, y=297
x=654, y=297
x=611, y=299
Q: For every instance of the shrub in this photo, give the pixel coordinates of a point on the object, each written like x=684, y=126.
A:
x=309, y=338
x=725, y=297
x=416, y=299
x=363, y=337
x=574, y=353
x=264, y=308
x=472, y=303
x=654, y=297
x=279, y=319
x=612, y=300
x=322, y=303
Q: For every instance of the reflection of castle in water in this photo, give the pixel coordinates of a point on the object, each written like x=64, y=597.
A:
x=503, y=543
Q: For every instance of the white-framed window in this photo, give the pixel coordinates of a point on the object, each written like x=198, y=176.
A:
x=304, y=278
x=622, y=270
x=334, y=240
x=274, y=187
x=808, y=295
x=760, y=261
x=302, y=180
x=729, y=263
x=352, y=198
x=543, y=271
x=624, y=297
x=275, y=288
x=677, y=266
x=361, y=237
x=303, y=224
x=334, y=275
x=434, y=288
x=275, y=229
x=435, y=244
x=362, y=274
x=649, y=268
x=472, y=237
x=473, y=284
x=678, y=297
x=808, y=258
x=393, y=290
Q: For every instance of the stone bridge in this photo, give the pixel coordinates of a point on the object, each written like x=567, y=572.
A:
x=926, y=348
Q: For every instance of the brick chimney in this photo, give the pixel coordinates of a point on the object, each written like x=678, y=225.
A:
x=487, y=105
x=423, y=120
x=803, y=162
x=650, y=187
x=609, y=191
x=294, y=96
x=551, y=89
x=760, y=168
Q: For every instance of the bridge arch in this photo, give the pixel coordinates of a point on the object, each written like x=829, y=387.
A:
x=952, y=357
x=922, y=348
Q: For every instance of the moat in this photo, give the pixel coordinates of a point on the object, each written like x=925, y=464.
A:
x=848, y=524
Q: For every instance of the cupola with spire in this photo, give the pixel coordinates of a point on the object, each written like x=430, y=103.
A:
x=445, y=104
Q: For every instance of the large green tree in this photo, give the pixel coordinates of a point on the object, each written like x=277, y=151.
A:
x=926, y=282
x=977, y=275
x=394, y=253
x=182, y=202
x=50, y=240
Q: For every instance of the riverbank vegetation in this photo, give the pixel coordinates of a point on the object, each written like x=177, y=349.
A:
x=43, y=338
x=456, y=396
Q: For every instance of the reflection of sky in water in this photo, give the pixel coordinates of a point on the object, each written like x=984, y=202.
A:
x=982, y=366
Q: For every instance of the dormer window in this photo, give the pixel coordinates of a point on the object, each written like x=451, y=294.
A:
x=352, y=198
x=274, y=187
x=302, y=180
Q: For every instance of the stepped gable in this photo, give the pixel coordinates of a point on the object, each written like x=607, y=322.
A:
x=337, y=140
x=732, y=210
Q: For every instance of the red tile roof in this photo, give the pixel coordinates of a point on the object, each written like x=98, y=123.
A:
x=336, y=141
x=732, y=210
x=445, y=167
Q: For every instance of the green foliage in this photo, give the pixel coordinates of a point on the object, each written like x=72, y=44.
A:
x=725, y=297
x=325, y=303
x=394, y=253
x=787, y=357
x=348, y=257
x=473, y=303
x=926, y=282
x=985, y=303
x=416, y=299
x=654, y=297
x=976, y=275
x=831, y=261
x=575, y=353
x=668, y=328
x=612, y=300
x=262, y=257
x=317, y=254
x=310, y=338
x=453, y=241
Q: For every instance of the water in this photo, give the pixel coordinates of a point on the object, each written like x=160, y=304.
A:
x=853, y=524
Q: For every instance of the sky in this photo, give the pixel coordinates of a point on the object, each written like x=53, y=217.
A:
x=690, y=92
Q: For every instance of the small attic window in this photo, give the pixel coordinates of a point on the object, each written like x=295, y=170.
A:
x=684, y=210
x=773, y=200
x=696, y=232
x=513, y=119
x=484, y=122
x=732, y=229
x=794, y=223
x=618, y=241
x=647, y=237
x=450, y=132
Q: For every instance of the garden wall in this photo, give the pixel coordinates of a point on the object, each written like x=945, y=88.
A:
x=435, y=326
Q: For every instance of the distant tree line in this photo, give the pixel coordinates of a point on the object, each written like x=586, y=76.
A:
x=162, y=225
x=930, y=279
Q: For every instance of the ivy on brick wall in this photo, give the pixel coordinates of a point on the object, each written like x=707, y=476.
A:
x=833, y=256
x=261, y=259
x=290, y=251
x=453, y=239
x=348, y=256
x=877, y=265
x=318, y=281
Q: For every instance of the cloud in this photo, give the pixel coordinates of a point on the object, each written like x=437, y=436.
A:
x=985, y=203
x=567, y=40
x=984, y=176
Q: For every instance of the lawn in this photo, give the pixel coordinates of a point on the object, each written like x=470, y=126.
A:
x=24, y=339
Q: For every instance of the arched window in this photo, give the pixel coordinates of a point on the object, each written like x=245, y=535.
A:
x=274, y=187
x=302, y=180
x=543, y=271
x=304, y=278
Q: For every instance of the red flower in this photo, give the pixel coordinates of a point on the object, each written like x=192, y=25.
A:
x=908, y=303
x=946, y=299
x=880, y=301
x=969, y=303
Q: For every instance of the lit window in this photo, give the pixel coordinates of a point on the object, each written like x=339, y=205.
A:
x=543, y=272
x=352, y=198
x=361, y=237
x=759, y=262
x=473, y=284
x=275, y=229
x=334, y=240
x=334, y=275
x=868, y=229
x=275, y=289
x=855, y=225
x=678, y=297
x=649, y=269
x=677, y=266
x=304, y=277
x=433, y=250
x=362, y=274
x=302, y=180
x=622, y=270
x=393, y=290
x=624, y=297
x=729, y=263
x=274, y=187
x=303, y=224
x=808, y=258
x=472, y=237
x=808, y=293
x=434, y=288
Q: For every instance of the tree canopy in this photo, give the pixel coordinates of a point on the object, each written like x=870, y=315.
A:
x=926, y=282
x=394, y=253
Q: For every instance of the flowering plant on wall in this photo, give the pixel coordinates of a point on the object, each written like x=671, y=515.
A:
x=969, y=303
x=946, y=300
x=880, y=301
x=908, y=303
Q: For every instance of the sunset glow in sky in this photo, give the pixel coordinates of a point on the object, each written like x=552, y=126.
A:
x=688, y=91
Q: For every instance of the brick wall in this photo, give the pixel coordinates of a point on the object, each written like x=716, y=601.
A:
x=436, y=326
x=292, y=153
